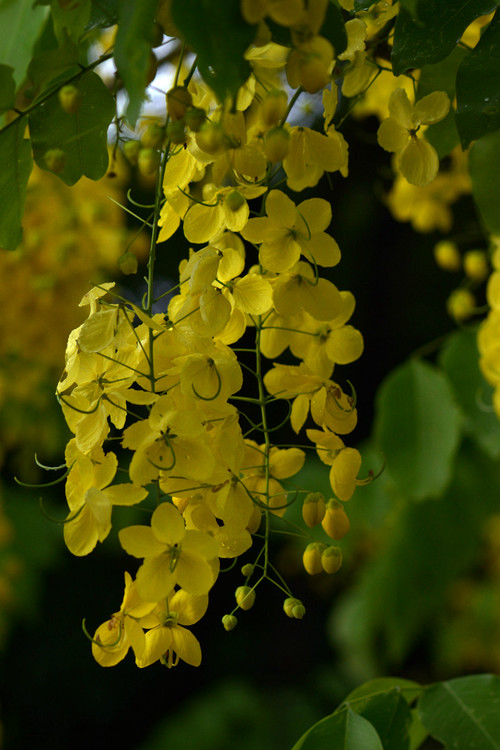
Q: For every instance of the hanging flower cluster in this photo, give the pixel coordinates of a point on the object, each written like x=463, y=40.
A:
x=168, y=386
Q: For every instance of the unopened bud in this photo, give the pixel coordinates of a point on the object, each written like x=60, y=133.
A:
x=313, y=508
x=131, y=150
x=447, y=256
x=148, y=161
x=229, y=622
x=476, y=265
x=245, y=597
x=294, y=608
x=153, y=136
x=210, y=139
x=461, y=304
x=312, y=558
x=331, y=559
x=247, y=570
x=179, y=100
x=336, y=522
x=194, y=118
x=176, y=132
x=234, y=200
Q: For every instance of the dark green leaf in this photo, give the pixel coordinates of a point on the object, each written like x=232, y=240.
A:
x=7, y=88
x=436, y=32
x=134, y=40
x=391, y=716
x=418, y=428
x=478, y=87
x=484, y=166
x=408, y=688
x=459, y=360
x=70, y=19
x=333, y=28
x=441, y=77
x=104, y=13
x=464, y=714
x=345, y=730
x=411, y=6
x=52, y=68
x=82, y=135
x=15, y=168
x=219, y=36
x=21, y=23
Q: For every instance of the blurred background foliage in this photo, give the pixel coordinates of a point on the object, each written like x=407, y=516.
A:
x=418, y=594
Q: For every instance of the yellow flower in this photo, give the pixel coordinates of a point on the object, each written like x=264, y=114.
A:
x=289, y=231
x=417, y=159
x=172, y=555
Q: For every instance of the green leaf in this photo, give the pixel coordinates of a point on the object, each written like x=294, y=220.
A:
x=464, y=714
x=418, y=428
x=15, y=168
x=50, y=69
x=478, y=87
x=417, y=732
x=484, y=167
x=333, y=28
x=436, y=32
x=132, y=54
x=441, y=77
x=408, y=688
x=411, y=6
x=459, y=359
x=219, y=36
x=390, y=715
x=82, y=135
x=345, y=730
x=24, y=23
x=70, y=19
x=104, y=13
x=7, y=88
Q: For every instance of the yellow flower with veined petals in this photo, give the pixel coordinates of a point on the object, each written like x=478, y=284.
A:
x=223, y=208
x=417, y=159
x=289, y=231
x=172, y=555
x=91, y=499
x=122, y=631
x=166, y=638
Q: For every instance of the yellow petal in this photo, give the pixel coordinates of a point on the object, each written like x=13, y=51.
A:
x=432, y=108
x=419, y=162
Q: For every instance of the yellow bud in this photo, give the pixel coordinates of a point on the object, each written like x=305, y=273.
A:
x=245, y=597
x=210, y=139
x=148, y=161
x=153, y=136
x=461, y=304
x=447, y=256
x=476, y=265
x=55, y=159
x=276, y=143
x=312, y=557
x=179, y=100
x=194, y=118
x=331, y=559
x=298, y=611
x=335, y=522
x=131, y=150
x=289, y=604
x=176, y=132
x=229, y=622
x=70, y=98
x=313, y=509
x=128, y=263
x=247, y=570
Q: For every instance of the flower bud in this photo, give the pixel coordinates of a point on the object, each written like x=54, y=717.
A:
x=70, y=98
x=312, y=558
x=55, y=159
x=128, y=263
x=294, y=608
x=148, y=161
x=210, y=138
x=176, y=132
x=276, y=143
x=131, y=150
x=336, y=522
x=313, y=508
x=194, y=118
x=461, y=304
x=247, y=570
x=179, y=100
x=447, y=256
x=229, y=622
x=476, y=265
x=331, y=559
x=245, y=597
x=153, y=136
